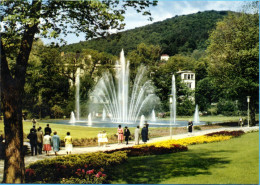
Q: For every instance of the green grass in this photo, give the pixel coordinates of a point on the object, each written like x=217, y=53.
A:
x=235, y=161
x=217, y=118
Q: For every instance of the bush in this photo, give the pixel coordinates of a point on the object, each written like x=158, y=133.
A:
x=54, y=170
x=197, y=128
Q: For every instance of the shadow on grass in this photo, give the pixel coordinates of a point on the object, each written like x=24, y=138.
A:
x=157, y=168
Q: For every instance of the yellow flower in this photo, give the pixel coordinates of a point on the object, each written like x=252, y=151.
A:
x=187, y=141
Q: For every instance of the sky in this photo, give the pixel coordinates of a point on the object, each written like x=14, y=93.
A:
x=165, y=9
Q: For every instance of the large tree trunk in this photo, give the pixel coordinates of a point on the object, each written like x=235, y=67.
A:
x=14, y=158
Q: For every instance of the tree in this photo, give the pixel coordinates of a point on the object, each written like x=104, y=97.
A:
x=233, y=58
x=22, y=22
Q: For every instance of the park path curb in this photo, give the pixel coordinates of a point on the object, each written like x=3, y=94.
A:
x=80, y=150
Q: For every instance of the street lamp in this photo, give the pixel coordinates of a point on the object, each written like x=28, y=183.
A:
x=171, y=114
x=248, y=101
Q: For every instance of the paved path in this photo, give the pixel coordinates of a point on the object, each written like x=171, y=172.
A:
x=81, y=150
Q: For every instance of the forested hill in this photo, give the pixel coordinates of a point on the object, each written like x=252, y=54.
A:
x=174, y=35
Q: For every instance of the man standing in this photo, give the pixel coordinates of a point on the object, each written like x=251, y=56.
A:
x=126, y=134
x=39, y=134
x=33, y=141
x=47, y=129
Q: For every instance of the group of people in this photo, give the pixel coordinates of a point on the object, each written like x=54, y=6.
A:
x=125, y=134
x=40, y=141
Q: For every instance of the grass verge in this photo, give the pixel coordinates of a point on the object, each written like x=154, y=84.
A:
x=235, y=161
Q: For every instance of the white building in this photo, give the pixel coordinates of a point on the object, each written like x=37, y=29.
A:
x=188, y=77
x=165, y=57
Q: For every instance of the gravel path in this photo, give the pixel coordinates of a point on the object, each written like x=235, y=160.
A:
x=81, y=150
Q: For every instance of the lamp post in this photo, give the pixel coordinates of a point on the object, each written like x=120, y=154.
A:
x=171, y=114
x=248, y=101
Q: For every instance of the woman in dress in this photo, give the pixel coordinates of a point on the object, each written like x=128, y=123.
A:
x=68, y=143
x=120, y=133
x=137, y=135
x=55, y=143
x=47, y=143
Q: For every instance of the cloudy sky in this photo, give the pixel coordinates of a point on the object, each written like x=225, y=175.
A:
x=167, y=9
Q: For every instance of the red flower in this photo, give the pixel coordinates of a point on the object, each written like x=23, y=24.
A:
x=85, y=166
x=83, y=171
x=78, y=170
x=103, y=175
x=97, y=175
x=90, y=171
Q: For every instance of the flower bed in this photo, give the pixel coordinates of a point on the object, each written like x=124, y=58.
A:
x=151, y=150
x=83, y=168
x=227, y=133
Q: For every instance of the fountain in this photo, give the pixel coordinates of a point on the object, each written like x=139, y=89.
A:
x=104, y=115
x=196, y=115
x=173, y=103
x=113, y=93
x=89, y=119
x=72, y=118
x=142, y=121
x=153, y=118
x=77, y=83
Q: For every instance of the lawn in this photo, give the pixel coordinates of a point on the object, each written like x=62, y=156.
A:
x=235, y=161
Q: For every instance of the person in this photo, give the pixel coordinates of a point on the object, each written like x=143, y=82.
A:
x=99, y=138
x=33, y=141
x=126, y=134
x=47, y=143
x=33, y=122
x=241, y=121
x=190, y=124
x=68, y=143
x=144, y=134
x=104, y=138
x=55, y=142
x=39, y=134
x=120, y=134
x=147, y=126
x=33, y=128
x=2, y=145
x=47, y=129
x=137, y=135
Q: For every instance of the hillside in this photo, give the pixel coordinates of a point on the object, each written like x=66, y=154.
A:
x=174, y=35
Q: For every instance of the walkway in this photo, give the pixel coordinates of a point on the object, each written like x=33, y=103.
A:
x=81, y=150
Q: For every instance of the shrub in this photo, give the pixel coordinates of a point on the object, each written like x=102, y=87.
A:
x=227, y=133
x=53, y=170
x=197, y=128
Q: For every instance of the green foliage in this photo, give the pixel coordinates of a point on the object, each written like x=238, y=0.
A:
x=226, y=107
x=234, y=58
x=197, y=128
x=54, y=170
x=179, y=34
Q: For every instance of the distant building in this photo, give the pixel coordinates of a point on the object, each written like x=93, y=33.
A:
x=165, y=57
x=188, y=77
